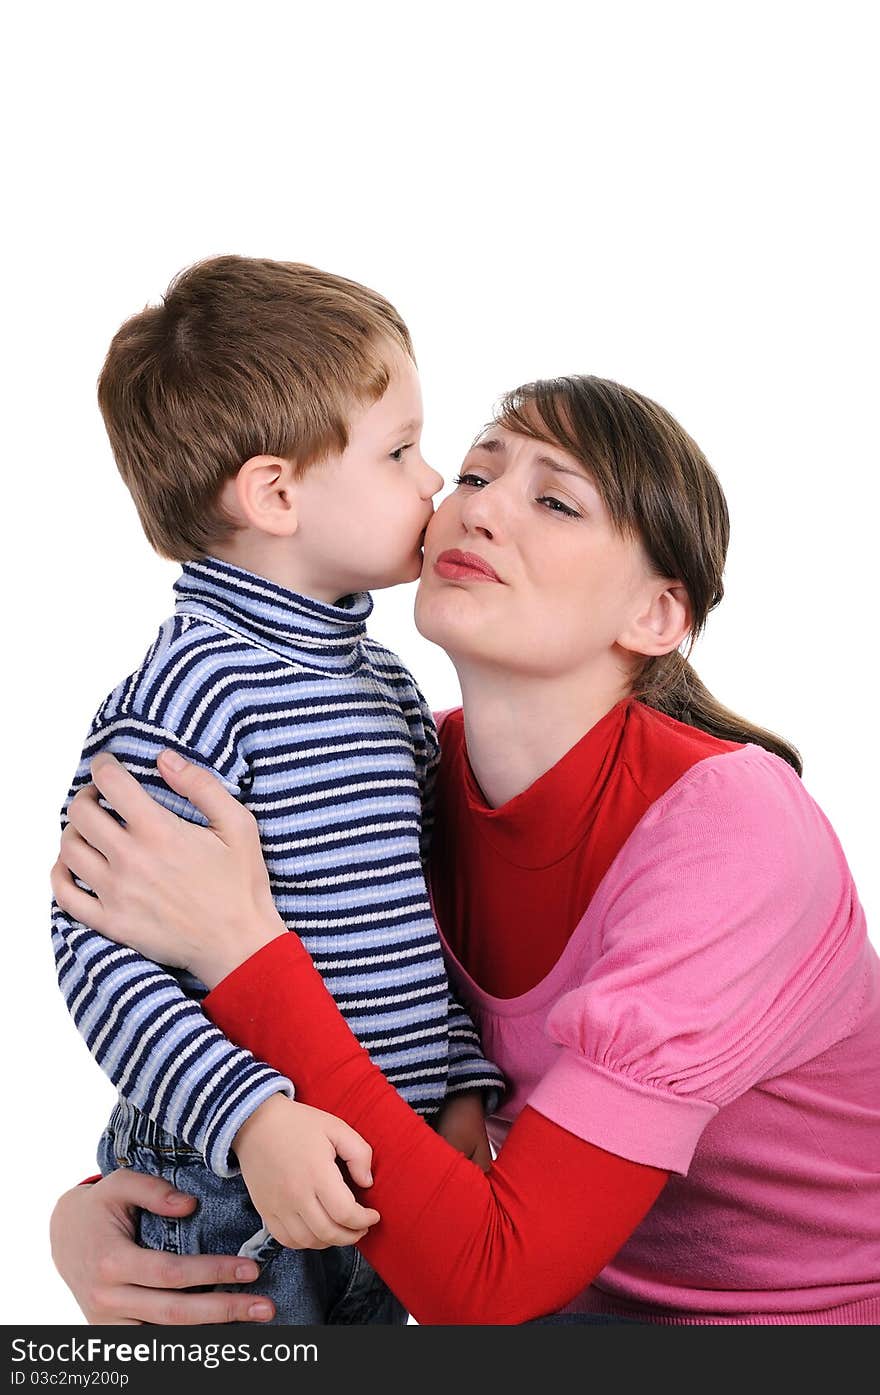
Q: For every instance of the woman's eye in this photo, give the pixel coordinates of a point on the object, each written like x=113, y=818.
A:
x=558, y=506
x=397, y=455
x=469, y=479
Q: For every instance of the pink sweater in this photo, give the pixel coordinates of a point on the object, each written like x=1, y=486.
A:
x=716, y=1013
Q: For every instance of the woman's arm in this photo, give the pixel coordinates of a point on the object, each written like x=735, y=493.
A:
x=522, y=1240
x=456, y=1245
x=733, y=917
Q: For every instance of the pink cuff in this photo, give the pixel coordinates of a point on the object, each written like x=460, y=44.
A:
x=621, y=1115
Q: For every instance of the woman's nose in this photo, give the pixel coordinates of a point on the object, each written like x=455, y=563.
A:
x=482, y=512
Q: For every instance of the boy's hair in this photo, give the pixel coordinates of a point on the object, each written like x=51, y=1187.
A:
x=243, y=357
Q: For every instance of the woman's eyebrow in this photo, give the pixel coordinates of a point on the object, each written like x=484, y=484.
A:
x=496, y=446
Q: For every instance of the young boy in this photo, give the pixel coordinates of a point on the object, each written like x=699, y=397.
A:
x=266, y=419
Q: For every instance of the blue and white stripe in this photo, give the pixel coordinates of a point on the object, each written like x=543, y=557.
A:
x=324, y=736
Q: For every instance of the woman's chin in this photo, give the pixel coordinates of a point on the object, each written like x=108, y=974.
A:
x=447, y=615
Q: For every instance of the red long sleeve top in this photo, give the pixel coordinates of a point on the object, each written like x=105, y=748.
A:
x=455, y=1244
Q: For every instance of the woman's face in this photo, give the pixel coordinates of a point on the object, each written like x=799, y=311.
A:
x=561, y=585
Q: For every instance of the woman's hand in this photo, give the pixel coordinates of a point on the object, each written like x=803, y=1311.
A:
x=116, y=1282
x=178, y=893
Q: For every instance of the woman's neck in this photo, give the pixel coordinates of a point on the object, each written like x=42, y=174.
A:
x=517, y=728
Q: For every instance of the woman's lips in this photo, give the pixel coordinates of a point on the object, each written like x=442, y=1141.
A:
x=464, y=566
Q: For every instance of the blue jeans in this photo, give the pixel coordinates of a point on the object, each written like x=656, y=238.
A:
x=333, y=1287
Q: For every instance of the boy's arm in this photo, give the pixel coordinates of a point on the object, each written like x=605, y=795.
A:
x=462, y=1122
x=149, y=1036
x=468, y=1068
x=428, y=763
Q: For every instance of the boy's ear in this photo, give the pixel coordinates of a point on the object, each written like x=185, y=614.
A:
x=263, y=496
x=662, y=623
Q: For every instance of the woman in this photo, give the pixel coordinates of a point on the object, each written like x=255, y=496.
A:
x=650, y=919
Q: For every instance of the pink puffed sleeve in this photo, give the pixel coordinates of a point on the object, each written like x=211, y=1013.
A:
x=730, y=950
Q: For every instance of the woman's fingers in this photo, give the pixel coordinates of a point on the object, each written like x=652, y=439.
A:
x=133, y=1267
x=129, y=798
x=171, y=1309
x=76, y=902
x=82, y=859
x=141, y=812
x=96, y=825
x=203, y=789
x=115, y=1281
x=143, y=1284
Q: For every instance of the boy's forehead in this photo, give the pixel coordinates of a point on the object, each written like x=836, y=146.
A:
x=396, y=414
x=407, y=428
x=401, y=402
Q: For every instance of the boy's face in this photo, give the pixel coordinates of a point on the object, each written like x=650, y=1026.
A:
x=363, y=514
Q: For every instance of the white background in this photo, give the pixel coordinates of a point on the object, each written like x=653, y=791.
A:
x=675, y=195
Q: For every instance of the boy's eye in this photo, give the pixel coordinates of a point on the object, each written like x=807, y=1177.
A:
x=397, y=455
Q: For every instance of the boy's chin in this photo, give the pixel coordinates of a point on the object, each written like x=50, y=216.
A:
x=409, y=571
x=402, y=577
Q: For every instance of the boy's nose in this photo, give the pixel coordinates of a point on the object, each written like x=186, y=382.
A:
x=433, y=482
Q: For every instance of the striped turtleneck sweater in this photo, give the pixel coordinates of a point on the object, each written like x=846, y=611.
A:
x=323, y=734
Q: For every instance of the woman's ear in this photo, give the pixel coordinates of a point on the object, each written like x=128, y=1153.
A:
x=662, y=623
x=263, y=496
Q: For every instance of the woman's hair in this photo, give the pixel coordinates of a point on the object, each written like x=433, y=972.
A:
x=657, y=485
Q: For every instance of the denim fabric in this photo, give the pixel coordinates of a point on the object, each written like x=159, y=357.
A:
x=333, y=1287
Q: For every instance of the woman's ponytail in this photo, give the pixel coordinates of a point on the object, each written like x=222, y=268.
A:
x=670, y=685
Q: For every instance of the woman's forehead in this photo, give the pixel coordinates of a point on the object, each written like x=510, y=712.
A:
x=501, y=441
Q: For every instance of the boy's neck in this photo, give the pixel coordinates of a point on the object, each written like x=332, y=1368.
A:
x=262, y=555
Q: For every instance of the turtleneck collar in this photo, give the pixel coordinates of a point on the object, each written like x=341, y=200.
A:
x=553, y=816
x=297, y=628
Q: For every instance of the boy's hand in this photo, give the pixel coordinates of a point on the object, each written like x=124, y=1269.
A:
x=287, y=1152
x=462, y=1122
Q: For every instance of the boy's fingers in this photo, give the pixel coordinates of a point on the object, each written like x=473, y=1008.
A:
x=345, y=1210
x=322, y=1222
x=355, y=1151
x=202, y=788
